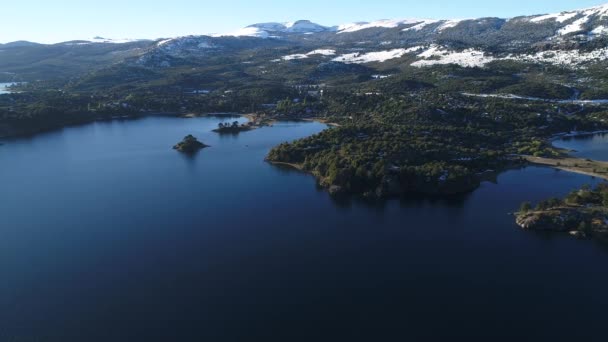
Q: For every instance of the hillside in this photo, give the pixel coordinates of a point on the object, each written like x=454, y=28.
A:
x=424, y=105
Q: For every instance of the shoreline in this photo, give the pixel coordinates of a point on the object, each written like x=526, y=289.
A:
x=10, y=132
x=561, y=136
x=573, y=164
x=570, y=163
x=298, y=167
x=323, y=121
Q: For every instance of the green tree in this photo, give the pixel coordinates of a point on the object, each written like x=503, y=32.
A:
x=525, y=207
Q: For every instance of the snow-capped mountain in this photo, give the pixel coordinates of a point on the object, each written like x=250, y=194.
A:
x=573, y=39
x=386, y=23
x=590, y=21
x=266, y=30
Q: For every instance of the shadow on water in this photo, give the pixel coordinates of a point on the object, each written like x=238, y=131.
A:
x=348, y=201
x=102, y=243
x=192, y=159
x=405, y=201
x=550, y=236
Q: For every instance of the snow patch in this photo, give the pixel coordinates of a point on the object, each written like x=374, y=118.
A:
x=436, y=55
x=562, y=57
x=559, y=17
x=386, y=23
x=250, y=31
x=304, y=26
x=574, y=27
x=600, y=30
x=164, y=42
x=439, y=55
x=379, y=56
x=422, y=25
x=101, y=40
x=265, y=30
x=579, y=24
x=322, y=52
x=447, y=24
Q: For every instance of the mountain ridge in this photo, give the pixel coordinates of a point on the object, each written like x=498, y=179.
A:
x=572, y=39
x=574, y=21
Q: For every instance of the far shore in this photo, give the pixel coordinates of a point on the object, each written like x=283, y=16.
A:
x=8, y=132
x=253, y=117
x=202, y=115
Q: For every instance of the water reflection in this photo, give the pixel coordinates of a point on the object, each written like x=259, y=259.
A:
x=108, y=223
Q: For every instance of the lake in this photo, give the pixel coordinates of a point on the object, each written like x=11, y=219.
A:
x=107, y=234
x=590, y=146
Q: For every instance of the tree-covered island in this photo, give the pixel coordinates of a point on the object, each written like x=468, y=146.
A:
x=233, y=128
x=189, y=145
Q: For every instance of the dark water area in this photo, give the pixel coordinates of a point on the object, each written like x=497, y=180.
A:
x=106, y=234
x=591, y=146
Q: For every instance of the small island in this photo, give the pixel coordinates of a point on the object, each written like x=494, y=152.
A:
x=234, y=128
x=582, y=214
x=189, y=145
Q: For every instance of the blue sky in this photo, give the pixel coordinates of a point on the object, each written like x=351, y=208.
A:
x=61, y=20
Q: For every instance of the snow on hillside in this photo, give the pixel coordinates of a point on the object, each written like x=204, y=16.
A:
x=559, y=17
x=354, y=27
x=322, y=52
x=599, y=31
x=304, y=26
x=565, y=58
x=101, y=40
x=269, y=30
x=270, y=26
x=380, y=56
x=574, y=27
x=421, y=25
x=437, y=55
x=250, y=31
x=582, y=18
x=188, y=45
x=569, y=22
x=449, y=24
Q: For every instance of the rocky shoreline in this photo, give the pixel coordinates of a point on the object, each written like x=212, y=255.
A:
x=577, y=222
x=582, y=213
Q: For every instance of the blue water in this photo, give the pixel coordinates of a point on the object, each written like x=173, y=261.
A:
x=594, y=147
x=106, y=234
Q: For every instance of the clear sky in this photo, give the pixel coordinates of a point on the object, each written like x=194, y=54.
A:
x=50, y=21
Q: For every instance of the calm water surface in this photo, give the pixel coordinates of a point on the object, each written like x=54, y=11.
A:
x=594, y=147
x=106, y=234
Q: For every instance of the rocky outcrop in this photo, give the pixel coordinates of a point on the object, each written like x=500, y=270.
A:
x=579, y=222
x=548, y=220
